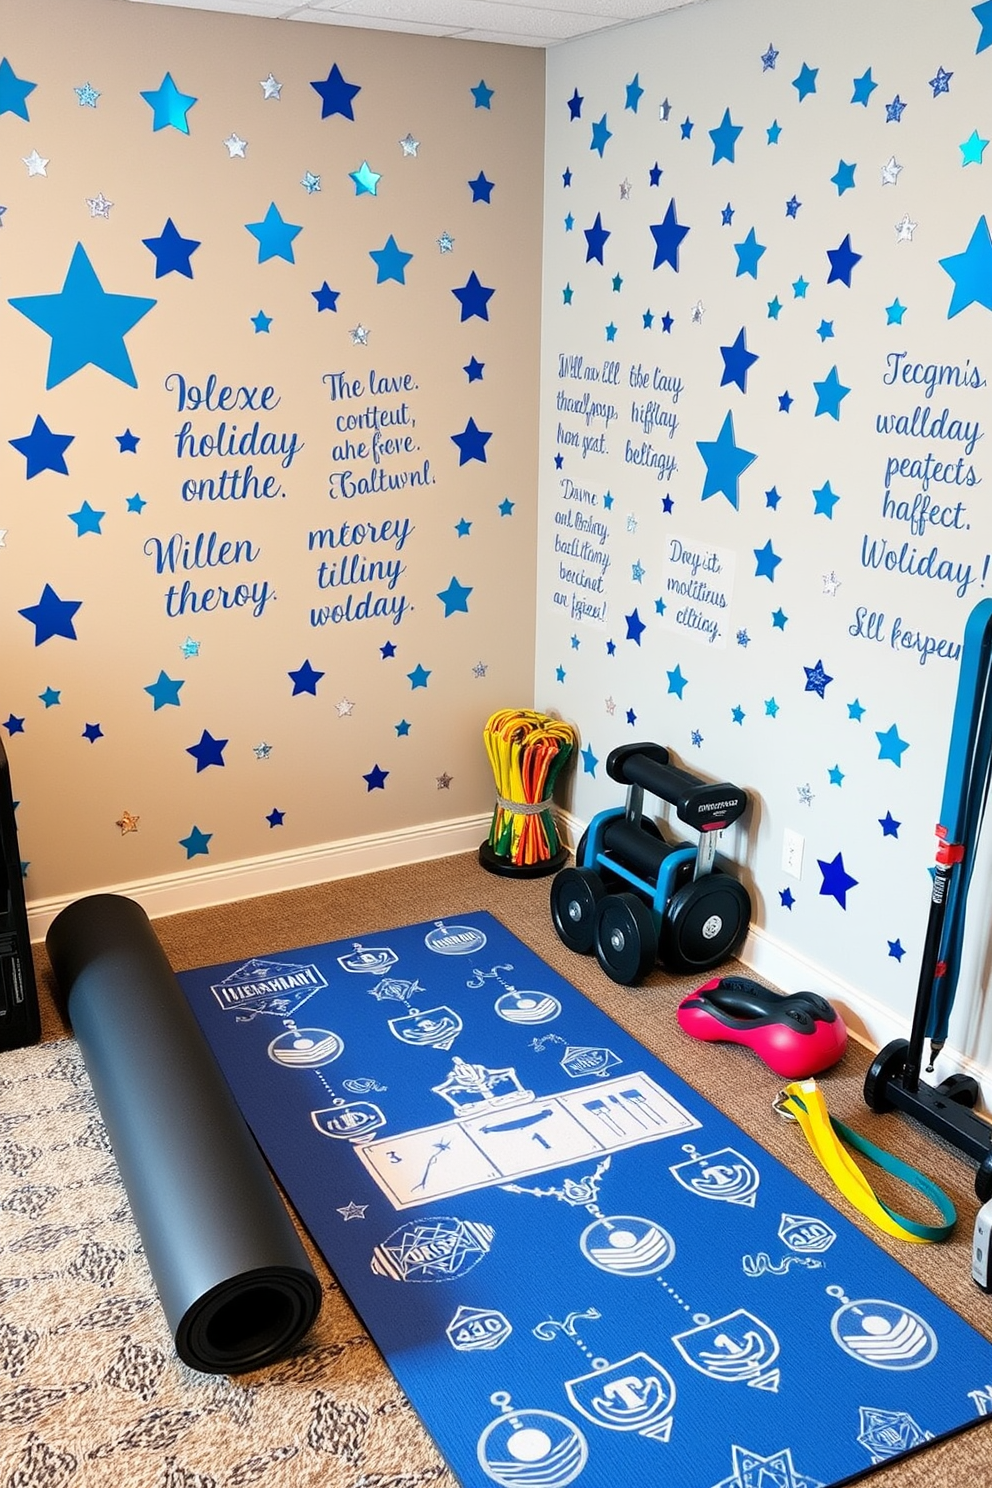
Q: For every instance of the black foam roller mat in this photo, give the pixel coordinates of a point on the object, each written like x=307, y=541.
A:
x=234, y=1280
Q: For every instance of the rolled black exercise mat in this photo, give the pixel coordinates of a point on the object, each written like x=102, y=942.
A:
x=234, y=1280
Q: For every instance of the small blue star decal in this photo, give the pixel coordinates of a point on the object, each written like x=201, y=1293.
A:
x=864, y=87
x=842, y=261
x=668, y=236
x=687, y=128
x=655, y=174
x=455, y=597
x=805, y=83
x=600, y=135
x=169, y=107
x=261, y=322
x=890, y=746
x=305, y=679
x=725, y=462
x=473, y=370
x=92, y=732
x=787, y=898
x=275, y=817
x=896, y=949
x=367, y=180
x=463, y=528
x=402, y=728
x=779, y=620
x=172, y=251
x=635, y=627
x=471, y=443
x=785, y=402
x=634, y=93
x=51, y=697
x=196, y=842
x=14, y=92
x=596, y=237
x=774, y=308
x=737, y=361
x=326, y=298
x=14, y=725
x=128, y=442
x=336, y=95
x=894, y=111
x=274, y=235
x=983, y=15
x=769, y=59
x=589, y=761
x=835, y=775
x=390, y=261
x=856, y=711
x=799, y=288
x=843, y=178
x=774, y=132
x=676, y=682
x=209, y=751
x=42, y=449
x=825, y=330
x=165, y=691
x=971, y=271
x=941, y=83
x=837, y=882
x=575, y=106
x=51, y=616
x=559, y=673
x=136, y=503
x=824, y=501
x=737, y=714
x=725, y=138
x=830, y=393
x=889, y=825
x=792, y=206
x=772, y=498
x=482, y=190
x=474, y=298
x=418, y=677
x=505, y=507
x=771, y=708
x=726, y=215
x=894, y=313
x=766, y=561
x=483, y=96
x=375, y=779
x=748, y=253
x=816, y=679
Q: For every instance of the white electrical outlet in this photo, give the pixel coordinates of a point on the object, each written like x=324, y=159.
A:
x=793, y=844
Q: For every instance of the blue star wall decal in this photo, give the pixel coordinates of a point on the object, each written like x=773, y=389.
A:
x=890, y=746
x=327, y=298
x=748, y=254
x=261, y=322
x=635, y=627
x=418, y=677
x=196, y=842
x=817, y=679
x=92, y=732
x=787, y=898
x=575, y=106
x=209, y=751
x=172, y=251
x=894, y=111
x=455, y=597
x=830, y=393
x=366, y=180
x=676, y=682
x=889, y=825
x=14, y=92
x=766, y=561
x=87, y=325
x=305, y=679
x=864, y=87
x=275, y=236
x=336, y=96
x=471, y=443
x=983, y=15
x=169, y=107
x=376, y=778
x=128, y=442
x=824, y=501
x=737, y=361
x=589, y=761
x=668, y=236
x=483, y=96
x=481, y=188
x=843, y=177
x=596, y=237
x=634, y=93
x=474, y=298
x=42, y=449
x=473, y=369
x=769, y=59
x=600, y=135
x=837, y=882
x=165, y=691
x=276, y=817
x=725, y=138
x=87, y=520
x=390, y=261
x=942, y=82
x=51, y=616
x=971, y=271
x=842, y=261
x=805, y=83
x=14, y=725
x=725, y=462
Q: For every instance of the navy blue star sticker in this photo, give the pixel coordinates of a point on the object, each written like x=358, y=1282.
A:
x=327, y=298
x=336, y=96
x=737, y=360
x=474, y=298
x=209, y=751
x=482, y=189
x=635, y=627
x=816, y=679
x=842, y=261
x=172, y=251
x=305, y=679
x=51, y=616
x=836, y=879
x=42, y=449
x=575, y=105
x=668, y=236
x=596, y=237
x=471, y=443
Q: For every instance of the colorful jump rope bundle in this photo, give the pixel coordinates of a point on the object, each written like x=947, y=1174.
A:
x=527, y=752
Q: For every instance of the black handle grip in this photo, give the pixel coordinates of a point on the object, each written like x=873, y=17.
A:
x=705, y=807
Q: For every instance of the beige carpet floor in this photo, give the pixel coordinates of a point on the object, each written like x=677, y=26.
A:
x=91, y=1391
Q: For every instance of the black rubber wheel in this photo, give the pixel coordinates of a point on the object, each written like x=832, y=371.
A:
x=575, y=895
x=888, y=1064
x=983, y=1179
x=625, y=938
x=963, y=1090
x=704, y=923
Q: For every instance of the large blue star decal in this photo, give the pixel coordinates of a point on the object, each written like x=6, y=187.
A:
x=169, y=107
x=42, y=449
x=275, y=236
x=336, y=96
x=471, y=443
x=890, y=746
x=836, y=879
x=725, y=138
x=971, y=271
x=305, y=679
x=87, y=325
x=748, y=254
x=455, y=597
x=668, y=237
x=51, y=616
x=737, y=360
x=390, y=261
x=829, y=394
x=600, y=134
x=766, y=561
x=805, y=83
x=172, y=251
x=596, y=237
x=14, y=92
x=474, y=298
x=209, y=751
x=983, y=15
x=842, y=261
x=725, y=463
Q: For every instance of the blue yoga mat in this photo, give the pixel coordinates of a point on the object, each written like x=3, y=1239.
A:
x=576, y=1267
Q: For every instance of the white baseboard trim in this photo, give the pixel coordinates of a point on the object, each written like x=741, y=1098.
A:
x=224, y=883
x=870, y=1022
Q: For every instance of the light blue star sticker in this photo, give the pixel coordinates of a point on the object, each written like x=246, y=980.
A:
x=14, y=92
x=824, y=502
x=589, y=761
x=864, y=87
x=972, y=149
x=983, y=15
x=634, y=93
x=165, y=691
x=600, y=135
x=676, y=682
x=390, y=261
x=725, y=138
x=805, y=83
x=830, y=393
x=483, y=96
x=169, y=107
x=51, y=697
x=748, y=254
x=261, y=322
x=366, y=180
x=774, y=132
x=890, y=746
x=843, y=177
x=455, y=597
x=87, y=325
x=725, y=463
x=196, y=842
x=971, y=271
x=87, y=520
x=418, y=677
x=766, y=561
x=275, y=236
x=894, y=313
x=856, y=710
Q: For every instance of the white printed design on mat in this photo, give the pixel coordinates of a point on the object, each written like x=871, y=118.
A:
x=350, y=1121
x=475, y=1328
x=751, y=1470
x=626, y=1245
x=737, y=1349
x=436, y=1249
x=368, y=960
x=522, y=1448
x=725, y=1175
x=885, y=1335
x=454, y=940
x=527, y=1007
x=278, y=987
x=479, y=1148
x=434, y=1028
x=634, y=1394
x=888, y=1433
x=806, y=1237
x=305, y=1048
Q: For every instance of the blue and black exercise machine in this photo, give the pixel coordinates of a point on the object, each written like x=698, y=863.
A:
x=633, y=897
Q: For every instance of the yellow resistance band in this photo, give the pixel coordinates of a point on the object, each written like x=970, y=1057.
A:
x=802, y=1102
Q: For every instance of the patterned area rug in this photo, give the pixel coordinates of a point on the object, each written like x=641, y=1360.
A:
x=91, y=1390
